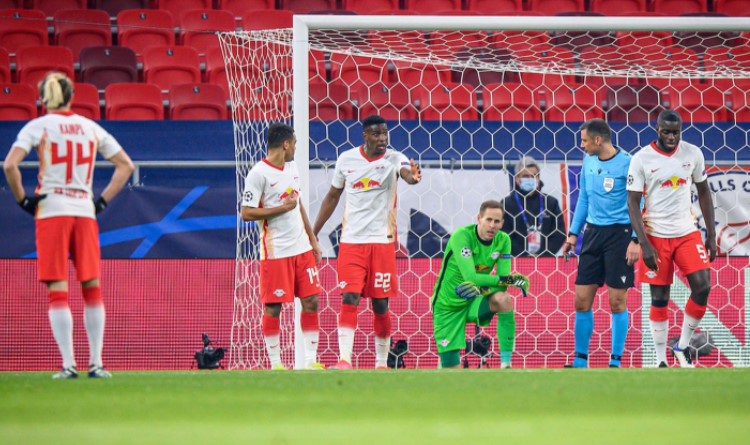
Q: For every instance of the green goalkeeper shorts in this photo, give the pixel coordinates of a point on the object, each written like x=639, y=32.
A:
x=450, y=324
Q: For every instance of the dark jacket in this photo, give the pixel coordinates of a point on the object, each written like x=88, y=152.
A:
x=553, y=224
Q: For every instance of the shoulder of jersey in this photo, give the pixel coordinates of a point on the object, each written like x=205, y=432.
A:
x=501, y=236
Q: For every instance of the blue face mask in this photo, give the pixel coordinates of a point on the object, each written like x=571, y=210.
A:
x=527, y=184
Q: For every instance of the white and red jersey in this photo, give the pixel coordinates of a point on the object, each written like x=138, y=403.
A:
x=370, y=184
x=67, y=145
x=267, y=186
x=665, y=180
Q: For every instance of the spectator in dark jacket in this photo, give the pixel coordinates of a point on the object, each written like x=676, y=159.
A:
x=533, y=220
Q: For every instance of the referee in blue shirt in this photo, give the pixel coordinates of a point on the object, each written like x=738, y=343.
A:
x=609, y=250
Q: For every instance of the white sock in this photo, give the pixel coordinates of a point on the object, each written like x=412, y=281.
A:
x=382, y=348
x=61, y=321
x=311, y=346
x=93, y=318
x=688, y=327
x=346, y=343
x=659, y=334
x=273, y=346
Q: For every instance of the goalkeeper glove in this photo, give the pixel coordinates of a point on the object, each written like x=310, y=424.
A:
x=517, y=280
x=468, y=290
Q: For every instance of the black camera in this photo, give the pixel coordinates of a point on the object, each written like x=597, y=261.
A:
x=208, y=357
x=396, y=354
x=480, y=346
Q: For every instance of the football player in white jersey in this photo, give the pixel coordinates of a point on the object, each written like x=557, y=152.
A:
x=289, y=252
x=65, y=211
x=662, y=172
x=367, y=249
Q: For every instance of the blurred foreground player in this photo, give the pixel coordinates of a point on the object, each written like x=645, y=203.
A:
x=65, y=211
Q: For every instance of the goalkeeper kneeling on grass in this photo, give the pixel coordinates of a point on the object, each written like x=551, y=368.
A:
x=466, y=292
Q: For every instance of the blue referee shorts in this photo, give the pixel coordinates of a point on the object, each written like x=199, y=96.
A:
x=602, y=258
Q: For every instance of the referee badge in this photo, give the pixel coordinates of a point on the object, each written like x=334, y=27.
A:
x=609, y=184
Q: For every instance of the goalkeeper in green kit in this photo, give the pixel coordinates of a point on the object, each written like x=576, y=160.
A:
x=465, y=291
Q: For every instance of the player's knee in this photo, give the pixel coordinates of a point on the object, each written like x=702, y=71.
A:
x=380, y=305
x=350, y=298
x=582, y=304
x=272, y=309
x=700, y=292
x=310, y=304
x=617, y=301
x=501, y=302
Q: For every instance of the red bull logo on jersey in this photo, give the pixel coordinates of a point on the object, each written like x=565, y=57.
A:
x=481, y=268
x=287, y=193
x=674, y=182
x=366, y=184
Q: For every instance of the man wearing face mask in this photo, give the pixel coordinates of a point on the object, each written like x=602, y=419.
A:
x=533, y=220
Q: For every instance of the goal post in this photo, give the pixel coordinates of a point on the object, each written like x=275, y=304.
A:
x=467, y=97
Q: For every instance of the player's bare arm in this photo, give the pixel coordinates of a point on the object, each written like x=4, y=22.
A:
x=13, y=172
x=650, y=257
x=317, y=251
x=413, y=174
x=123, y=169
x=706, y=203
x=256, y=213
x=330, y=201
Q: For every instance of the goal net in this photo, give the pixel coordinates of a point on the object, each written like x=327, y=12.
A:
x=467, y=97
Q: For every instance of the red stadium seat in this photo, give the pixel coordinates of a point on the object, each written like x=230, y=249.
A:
x=668, y=58
x=449, y=102
x=510, y=102
x=391, y=102
x=368, y=6
x=197, y=101
x=413, y=75
x=430, y=6
x=238, y=8
x=329, y=101
x=197, y=28
x=86, y=101
x=618, y=7
x=4, y=66
x=104, y=65
x=570, y=103
x=679, y=7
x=724, y=58
x=52, y=7
x=405, y=42
x=78, y=29
x=740, y=98
x=255, y=20
x=114, y=7
x=522, y=44
x=33, y=63
x=307, y=6
x=633, y=103
x=494, y=7
x=12, y=4
x=732, y=7
x=447, y=44
x=140, y=29
x=697, y=102
x=637, y=41
x=604, y=57
x=17, y=102
x=177, y=7
x=165, y=66
x=133, y=101
x=20, y=28
x=216, y=71
x=552, y=7
x=394, y=12
x=356, y=72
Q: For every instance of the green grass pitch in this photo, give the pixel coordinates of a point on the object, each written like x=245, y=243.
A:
x=626, y=406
